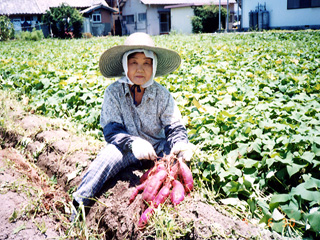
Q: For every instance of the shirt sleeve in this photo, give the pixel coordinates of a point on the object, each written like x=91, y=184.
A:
x=117, y=135
x=111, y=109
x=112, y=124
x=176, y=133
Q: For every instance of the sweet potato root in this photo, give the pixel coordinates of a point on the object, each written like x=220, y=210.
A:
x=170, y=177
x=163, y=194
x=146, y=215
x=153, y=185
x=177, y=193
x=186, y=176
x=155, y=169
x=136, y=191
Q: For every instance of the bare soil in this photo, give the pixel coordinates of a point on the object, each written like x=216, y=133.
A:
x=39, y=152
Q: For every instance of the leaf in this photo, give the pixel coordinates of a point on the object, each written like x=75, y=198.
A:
x=196, y=103
x=314, y=220
x=292, y=211
x=277, y=199
x=276, y=215
x=308, y=156
x=13, y=216
x=294, y=168
x=315, y=150
x=280, y=198
x=225, y=113
x=231, y=187
x=252, y=205
x=19, y=228
x=270, y=174
x=206, y=173
x=268, y=144
x=312, y=196
x=277, y=225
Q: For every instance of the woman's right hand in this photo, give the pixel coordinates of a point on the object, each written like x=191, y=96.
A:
x=142, y=149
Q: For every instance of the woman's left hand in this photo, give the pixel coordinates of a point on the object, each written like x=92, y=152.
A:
x=182, y=150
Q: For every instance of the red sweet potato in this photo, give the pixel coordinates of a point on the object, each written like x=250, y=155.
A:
x=185, y=175
x=177, y=193
x=146, y=215
x=145, y=175
x=136, y=191
x=162, y=194
x=173, y=173
x=159, y=166
x=153, y=185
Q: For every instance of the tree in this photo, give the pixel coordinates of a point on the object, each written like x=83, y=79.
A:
x=206, y=18
x=6, y=28
x=64, y=21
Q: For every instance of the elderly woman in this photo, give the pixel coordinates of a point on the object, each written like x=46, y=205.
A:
x=139, y=117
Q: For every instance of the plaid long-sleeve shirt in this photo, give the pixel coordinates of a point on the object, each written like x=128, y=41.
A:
x=156, y=119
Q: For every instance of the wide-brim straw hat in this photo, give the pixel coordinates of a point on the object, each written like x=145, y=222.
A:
x=110, y=62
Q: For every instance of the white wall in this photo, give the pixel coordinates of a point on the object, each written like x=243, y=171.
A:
x=181, y=19
x=150, y=26
x=280, y=16
x=153, y=21
x=134, y=7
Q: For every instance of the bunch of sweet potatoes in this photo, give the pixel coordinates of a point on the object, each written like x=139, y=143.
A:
x=169, y=178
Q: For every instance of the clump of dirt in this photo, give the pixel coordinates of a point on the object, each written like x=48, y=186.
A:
x=16, y=185
x=64, y=156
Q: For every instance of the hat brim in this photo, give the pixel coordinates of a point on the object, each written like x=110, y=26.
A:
x=110, y=62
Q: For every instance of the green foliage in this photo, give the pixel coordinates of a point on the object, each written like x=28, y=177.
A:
x=6, y=28
x=35, y=35
x=206, y=19
x=63, y=20
x=251, y=104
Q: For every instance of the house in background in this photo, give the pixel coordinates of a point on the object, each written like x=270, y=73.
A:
x=98, y=19
x=27, y=14
x=285, y=14
x=181, y=14
x=24, y=14
x=162, y=16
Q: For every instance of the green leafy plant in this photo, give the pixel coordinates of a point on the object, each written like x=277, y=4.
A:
x=35, y=35
x=251, y=105
x=6, y=28
x=64, y=21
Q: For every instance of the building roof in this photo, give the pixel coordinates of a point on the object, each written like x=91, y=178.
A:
x=75, y=3
x=189, y=2
x=8, y=7
x=98, y=6
x=14, y=7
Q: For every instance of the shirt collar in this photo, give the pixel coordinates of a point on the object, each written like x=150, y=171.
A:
x=150, y=92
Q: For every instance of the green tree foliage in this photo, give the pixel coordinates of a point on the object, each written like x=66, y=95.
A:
x=6, y=28
x=64, y=21
x=206, y=19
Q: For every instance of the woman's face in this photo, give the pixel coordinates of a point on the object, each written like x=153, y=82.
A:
x=139, y=68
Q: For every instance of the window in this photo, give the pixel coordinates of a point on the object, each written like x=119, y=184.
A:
x=165, y=23
x=294, y=4
x=96, y=17
x=129, y=19
x=142, y=17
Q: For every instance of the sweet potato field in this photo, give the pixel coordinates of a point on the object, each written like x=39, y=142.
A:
x=250, y=102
